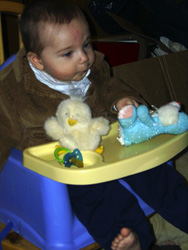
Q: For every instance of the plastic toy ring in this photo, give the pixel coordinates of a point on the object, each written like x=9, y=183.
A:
x=69, y=158
x=57, y=153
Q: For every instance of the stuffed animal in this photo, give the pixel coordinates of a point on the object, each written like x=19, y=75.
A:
x=138, y=124
x=74, y=126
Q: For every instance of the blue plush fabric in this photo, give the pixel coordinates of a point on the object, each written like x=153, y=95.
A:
x=143, y=126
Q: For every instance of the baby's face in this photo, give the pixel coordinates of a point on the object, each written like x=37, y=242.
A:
x=68, y=53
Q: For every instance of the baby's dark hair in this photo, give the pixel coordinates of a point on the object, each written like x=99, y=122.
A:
x=41, y=12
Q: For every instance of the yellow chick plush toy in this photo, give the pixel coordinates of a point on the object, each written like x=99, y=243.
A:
x=74, y=126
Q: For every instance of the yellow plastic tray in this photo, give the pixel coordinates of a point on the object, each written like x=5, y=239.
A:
x=116, y=161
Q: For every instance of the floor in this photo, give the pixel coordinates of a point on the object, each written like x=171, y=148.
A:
x=14, y=241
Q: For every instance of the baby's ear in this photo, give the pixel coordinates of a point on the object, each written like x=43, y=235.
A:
x=35, y=60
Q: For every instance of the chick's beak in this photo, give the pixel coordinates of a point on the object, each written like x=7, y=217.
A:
x=72, y=122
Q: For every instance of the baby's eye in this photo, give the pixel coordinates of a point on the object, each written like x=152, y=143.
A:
x=68, y=54
x=87, y=44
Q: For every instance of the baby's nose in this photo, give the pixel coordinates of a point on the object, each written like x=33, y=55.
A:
x=83, y=57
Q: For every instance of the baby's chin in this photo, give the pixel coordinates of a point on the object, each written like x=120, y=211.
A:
x=80, y=76
x=76, y=78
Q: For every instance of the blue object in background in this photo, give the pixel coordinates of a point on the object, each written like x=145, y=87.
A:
x=8, y=61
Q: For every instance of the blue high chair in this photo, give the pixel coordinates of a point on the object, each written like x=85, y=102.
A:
x=34, y=200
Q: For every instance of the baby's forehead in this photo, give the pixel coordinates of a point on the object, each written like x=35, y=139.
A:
x=48, y=30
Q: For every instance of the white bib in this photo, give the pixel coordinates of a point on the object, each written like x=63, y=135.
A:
x=73, y=88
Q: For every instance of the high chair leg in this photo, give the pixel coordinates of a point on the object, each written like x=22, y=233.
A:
x=4, y=232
